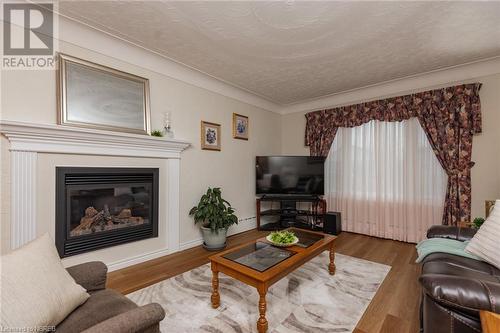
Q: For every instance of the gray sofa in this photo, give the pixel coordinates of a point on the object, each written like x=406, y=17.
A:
x=107, y=310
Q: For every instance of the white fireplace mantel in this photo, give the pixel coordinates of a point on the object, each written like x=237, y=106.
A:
x=44, y=138
x=26, y=140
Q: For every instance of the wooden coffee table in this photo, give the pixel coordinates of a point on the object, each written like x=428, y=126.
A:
x=248, y=263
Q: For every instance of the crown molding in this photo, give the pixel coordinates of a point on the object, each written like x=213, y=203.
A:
x=45, y=138
x=430, y=80
x=94, y=39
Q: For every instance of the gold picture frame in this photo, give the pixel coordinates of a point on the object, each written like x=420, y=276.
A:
x=240, y=126
x=99, y=97
x=488, y=207
x=210, y=136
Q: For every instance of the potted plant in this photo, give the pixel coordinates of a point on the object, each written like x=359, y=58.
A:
x=478, y=222
x=215, y=215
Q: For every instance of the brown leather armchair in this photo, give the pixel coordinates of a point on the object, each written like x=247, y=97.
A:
x=456, y=288
x=107, y=310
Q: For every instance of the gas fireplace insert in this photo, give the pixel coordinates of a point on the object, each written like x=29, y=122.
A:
x=102, y=207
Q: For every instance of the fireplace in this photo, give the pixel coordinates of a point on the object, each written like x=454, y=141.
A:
x=102, y=207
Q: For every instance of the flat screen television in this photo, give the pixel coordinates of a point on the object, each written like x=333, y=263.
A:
x=290, y=175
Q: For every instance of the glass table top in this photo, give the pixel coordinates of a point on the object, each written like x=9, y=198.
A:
x=259, y=256
x=306, y=239
x=262, y=256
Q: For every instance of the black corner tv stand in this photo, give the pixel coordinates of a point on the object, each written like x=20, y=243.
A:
x=281, y=212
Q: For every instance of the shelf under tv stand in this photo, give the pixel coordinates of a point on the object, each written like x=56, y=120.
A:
x=288, y=215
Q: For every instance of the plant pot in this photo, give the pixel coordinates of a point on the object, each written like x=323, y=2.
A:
x=214, y=240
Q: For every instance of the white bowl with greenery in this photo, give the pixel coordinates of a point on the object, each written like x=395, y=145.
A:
x=282, y=238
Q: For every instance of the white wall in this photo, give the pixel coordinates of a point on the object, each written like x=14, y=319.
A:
x=31, y=96
x=486, y=172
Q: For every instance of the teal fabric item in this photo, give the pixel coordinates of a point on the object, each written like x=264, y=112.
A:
x=450, y=246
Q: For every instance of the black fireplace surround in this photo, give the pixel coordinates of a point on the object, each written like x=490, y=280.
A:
x=102, y=207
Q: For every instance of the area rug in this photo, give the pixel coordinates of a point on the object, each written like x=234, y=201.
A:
x=307, y=300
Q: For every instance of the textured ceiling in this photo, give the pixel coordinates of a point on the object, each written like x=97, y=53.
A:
x=293, y=51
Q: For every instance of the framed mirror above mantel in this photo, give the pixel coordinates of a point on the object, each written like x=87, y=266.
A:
x=100, y=97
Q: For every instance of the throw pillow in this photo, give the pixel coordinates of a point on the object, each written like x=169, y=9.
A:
x=485, y=244
x=35, y=289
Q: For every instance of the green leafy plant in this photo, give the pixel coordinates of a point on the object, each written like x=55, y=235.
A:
x=157, y=133
x=282, y=237
x=213, y=211
x=478, y=222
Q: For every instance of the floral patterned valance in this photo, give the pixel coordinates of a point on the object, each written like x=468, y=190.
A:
x=462, y=101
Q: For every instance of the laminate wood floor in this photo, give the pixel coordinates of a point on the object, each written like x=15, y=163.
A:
x=394, y=309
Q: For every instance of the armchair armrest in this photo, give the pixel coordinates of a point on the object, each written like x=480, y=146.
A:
x=465, y=294
x=90, y=275
x=451, y=232
x=135, y=320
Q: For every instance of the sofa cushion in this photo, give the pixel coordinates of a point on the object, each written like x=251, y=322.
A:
x=443, y=263
x=485, y=243
x=36, y=290
x=101, y=305
x=451, y=232
x=451, y=270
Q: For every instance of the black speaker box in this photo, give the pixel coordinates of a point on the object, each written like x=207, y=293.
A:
x=332, y=224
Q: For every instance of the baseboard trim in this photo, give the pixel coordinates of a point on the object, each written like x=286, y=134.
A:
x=190, y=244
x=138, y=259
x=243, y=226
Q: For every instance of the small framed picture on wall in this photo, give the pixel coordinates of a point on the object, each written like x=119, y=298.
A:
x=240, y=126
x=210, y=136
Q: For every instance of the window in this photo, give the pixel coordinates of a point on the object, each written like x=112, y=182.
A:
x=385, y=180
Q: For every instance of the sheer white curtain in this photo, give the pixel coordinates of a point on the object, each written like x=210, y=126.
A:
x=385, y=180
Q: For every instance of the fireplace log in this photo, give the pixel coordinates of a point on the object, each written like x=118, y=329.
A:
x=132, y=219
x=124, y=213
x=90, y=212
x=94, y=218
x=91, y=217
